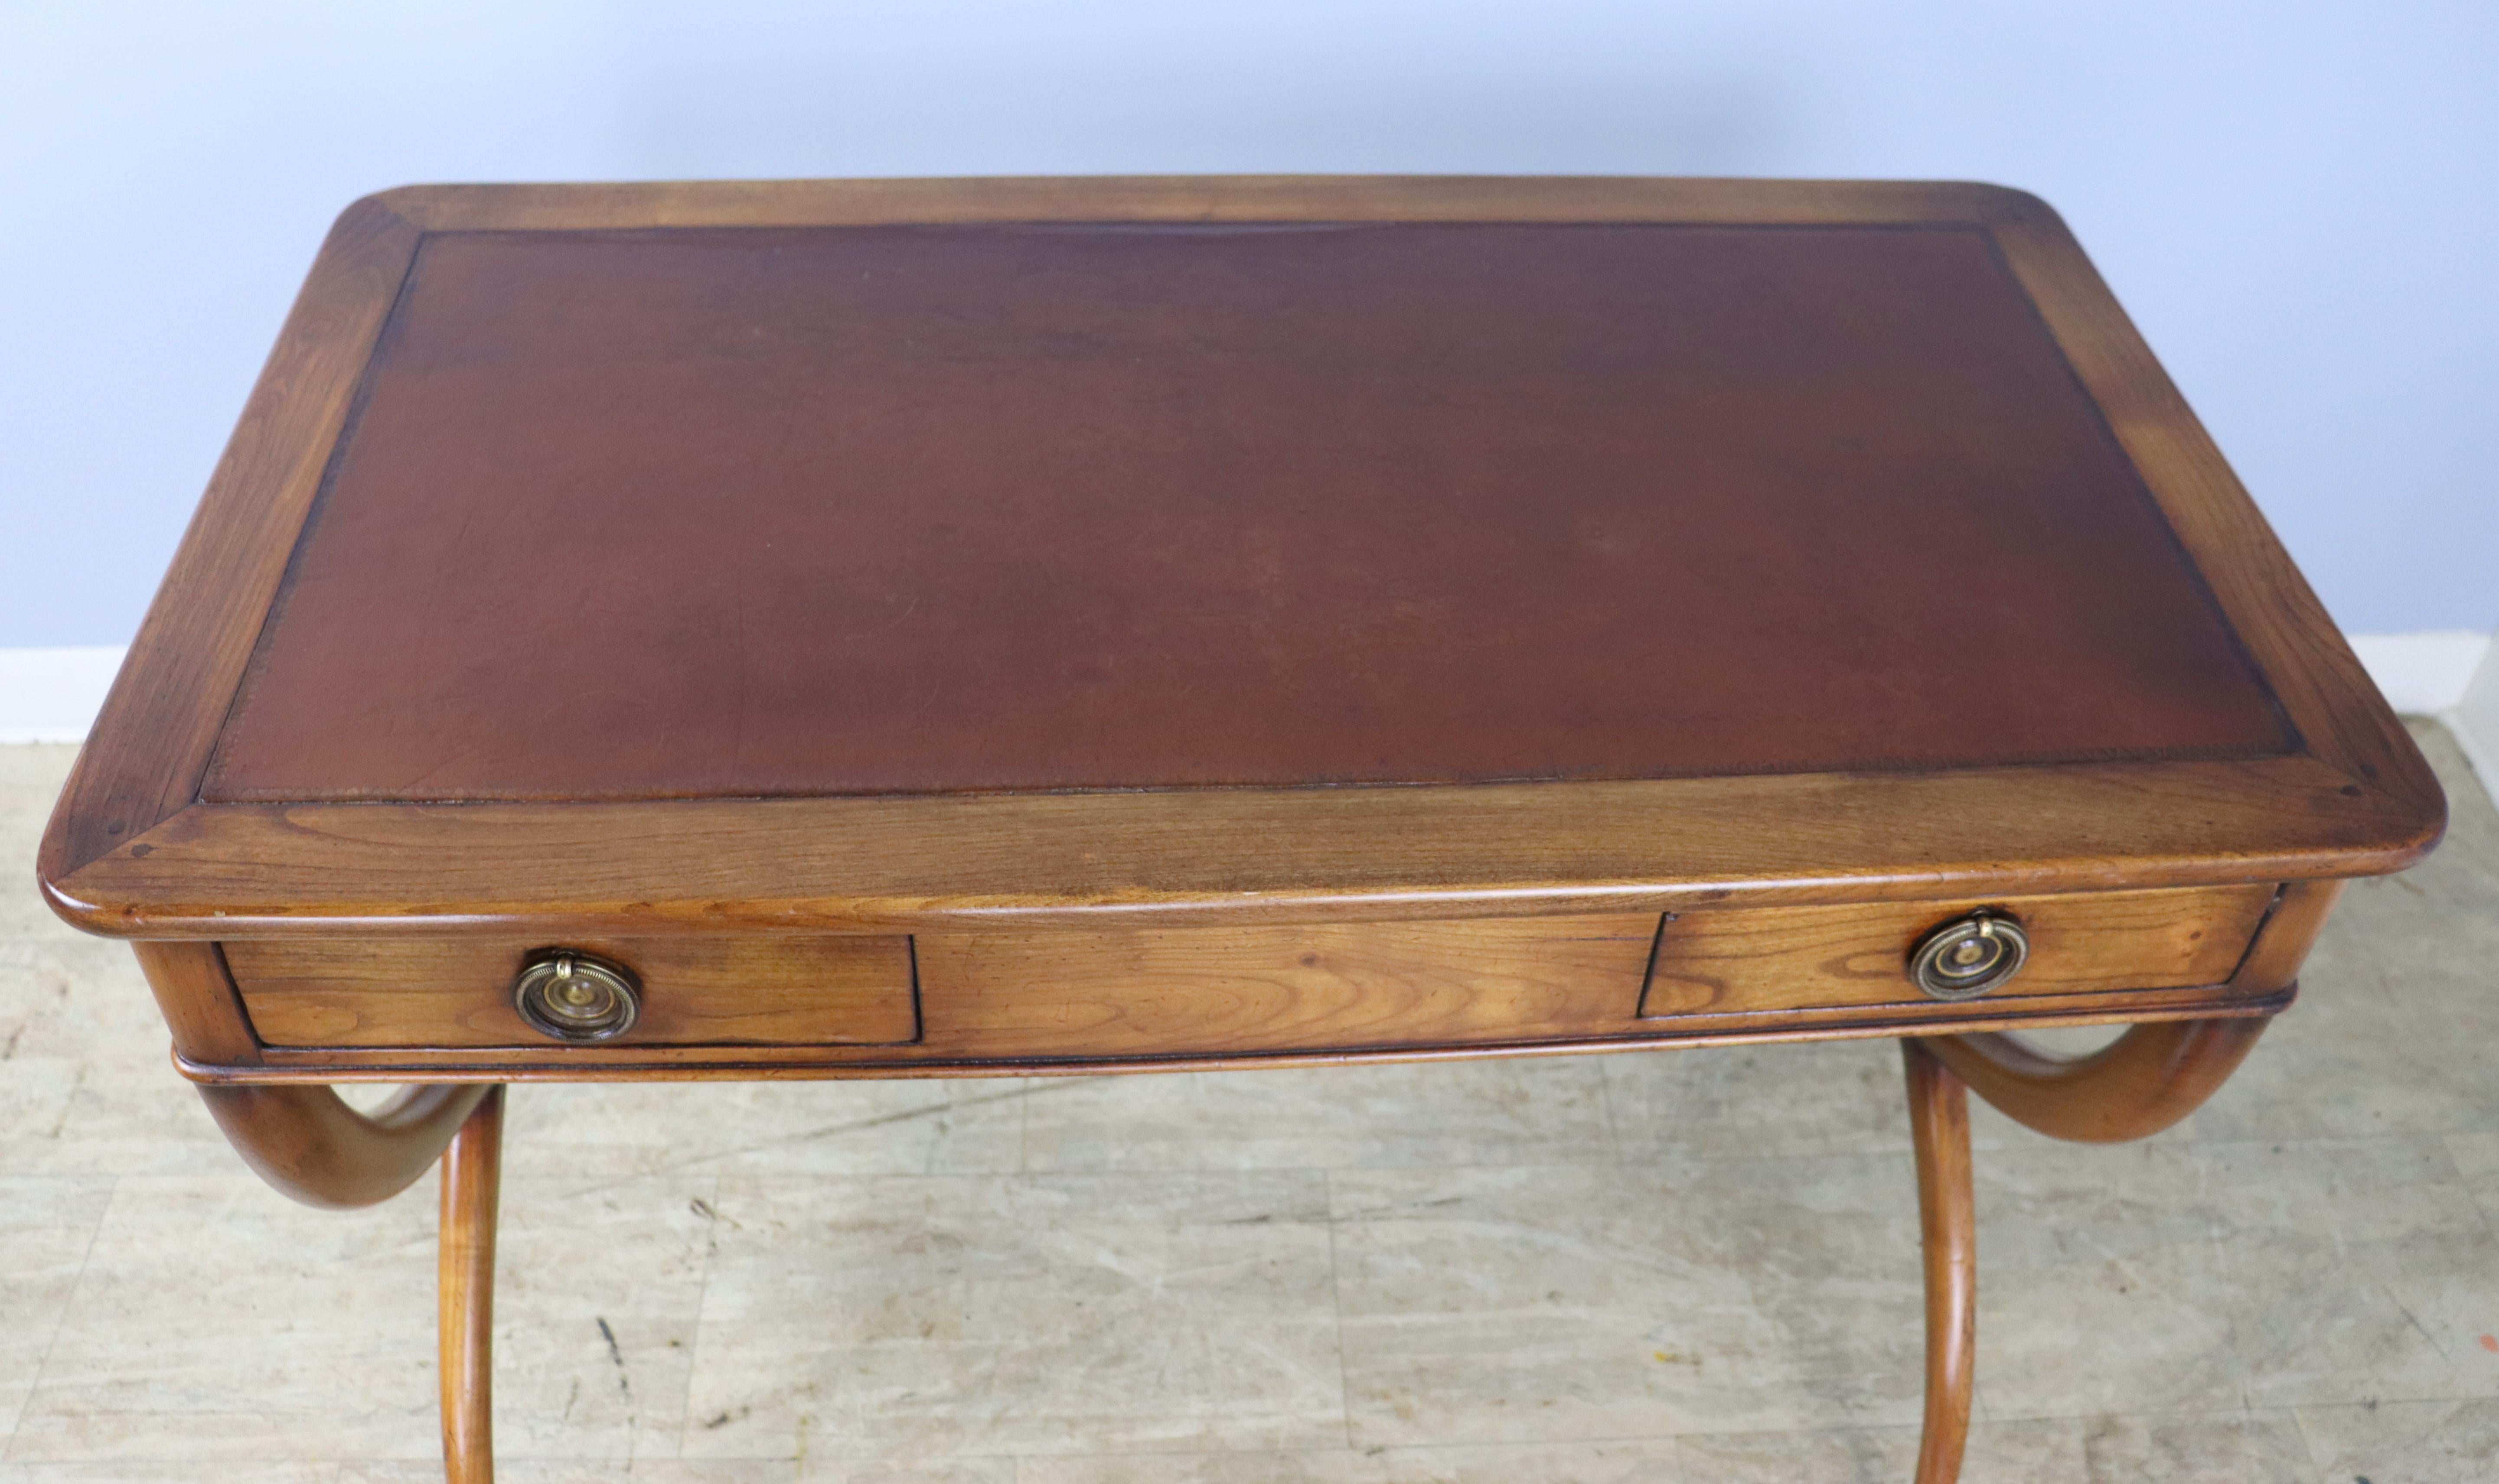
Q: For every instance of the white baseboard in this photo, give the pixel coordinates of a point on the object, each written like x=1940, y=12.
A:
x=2421, y=674
x=2475, y=721
x=2453, y=676
x=52, y=695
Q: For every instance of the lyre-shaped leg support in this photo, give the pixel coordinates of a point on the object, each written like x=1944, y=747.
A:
x=307, y=1142
x=2140, y=1083
x=310, y=1146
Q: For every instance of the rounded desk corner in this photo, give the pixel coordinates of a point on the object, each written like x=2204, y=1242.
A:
x=87, y=916
x=2427, y=819
x=103, y=916
x=1999, y=205
x=71, y=848
x=396, y=203
x=2411, y=824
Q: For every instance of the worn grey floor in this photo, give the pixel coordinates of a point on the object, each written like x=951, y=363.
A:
x=1695, y=1266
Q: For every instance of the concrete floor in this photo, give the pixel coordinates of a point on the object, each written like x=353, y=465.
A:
x=1687, y=1266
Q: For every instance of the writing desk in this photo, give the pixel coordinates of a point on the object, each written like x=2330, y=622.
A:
x=948, y=627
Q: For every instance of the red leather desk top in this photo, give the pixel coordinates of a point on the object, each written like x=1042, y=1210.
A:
x=739, y=512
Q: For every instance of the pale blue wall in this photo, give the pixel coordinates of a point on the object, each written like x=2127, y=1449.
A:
x=2295, y=199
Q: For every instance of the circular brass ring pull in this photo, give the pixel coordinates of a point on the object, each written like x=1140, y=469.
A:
x=573, y=996
x=1966, y=957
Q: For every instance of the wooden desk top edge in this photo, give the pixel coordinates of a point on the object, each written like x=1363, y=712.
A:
x=130, y=851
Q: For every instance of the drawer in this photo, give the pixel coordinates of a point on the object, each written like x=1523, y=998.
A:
x=695, y=990
x=1803, y=958
x=1182, y=991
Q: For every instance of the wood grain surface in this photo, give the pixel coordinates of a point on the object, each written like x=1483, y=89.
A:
x=229, y=871
x=2137, y=1085
x=473, y=1171
x=299, y=1066
x=197, y=997
x=1143, y=995
x=718, y=990
x=1153, y=991
x=1948, y=1233
x=1806, y=957
x=309, y=1144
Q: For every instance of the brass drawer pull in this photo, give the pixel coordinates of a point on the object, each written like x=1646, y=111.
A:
x=575, y=996
x=1966, y=957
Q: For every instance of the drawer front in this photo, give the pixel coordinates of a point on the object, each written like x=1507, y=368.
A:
x=1000, y=994
x=1152, y=992
x=1774, y=959
x=700, y=990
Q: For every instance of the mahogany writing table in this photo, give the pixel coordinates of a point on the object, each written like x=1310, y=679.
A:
x=938, y=627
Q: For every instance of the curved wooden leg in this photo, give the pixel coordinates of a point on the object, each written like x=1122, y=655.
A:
x=312, y=1146
x=306, y=1142
x=472, y=1179
x=1939, y=1127
x=2140, y=1083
